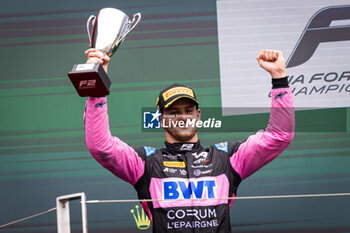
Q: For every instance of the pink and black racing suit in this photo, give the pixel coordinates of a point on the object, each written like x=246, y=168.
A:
x=190, y=178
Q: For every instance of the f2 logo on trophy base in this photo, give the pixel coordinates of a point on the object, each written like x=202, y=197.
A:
x=106, y=33
x=84, y=84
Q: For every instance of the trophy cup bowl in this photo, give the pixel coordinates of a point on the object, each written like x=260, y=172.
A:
x=106, y=33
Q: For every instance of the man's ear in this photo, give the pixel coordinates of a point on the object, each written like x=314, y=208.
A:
x=198, y=112
x=161, y=121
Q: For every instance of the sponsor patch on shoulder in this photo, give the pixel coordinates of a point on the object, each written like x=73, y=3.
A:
x=223, y=146
x=149, y=150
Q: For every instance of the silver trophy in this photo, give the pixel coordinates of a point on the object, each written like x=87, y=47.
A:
x=106, y=33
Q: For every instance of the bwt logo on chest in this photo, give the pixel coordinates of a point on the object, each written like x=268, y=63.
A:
x=184, y=189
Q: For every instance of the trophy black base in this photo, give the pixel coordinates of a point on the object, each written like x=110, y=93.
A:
x=90, y=80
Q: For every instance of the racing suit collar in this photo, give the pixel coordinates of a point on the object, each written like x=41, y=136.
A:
x=183, y=147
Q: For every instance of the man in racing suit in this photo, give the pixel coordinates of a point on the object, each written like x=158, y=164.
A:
x=194, y=181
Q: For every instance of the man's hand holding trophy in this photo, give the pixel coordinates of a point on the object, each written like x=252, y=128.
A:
x=106, y=33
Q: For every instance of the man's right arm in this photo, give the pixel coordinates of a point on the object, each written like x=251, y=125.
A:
x=112, y=153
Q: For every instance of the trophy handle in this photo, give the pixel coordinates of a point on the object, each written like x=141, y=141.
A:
x=134, y=21
x=89, y=23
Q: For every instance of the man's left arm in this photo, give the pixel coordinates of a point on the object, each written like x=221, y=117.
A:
x=264, y=146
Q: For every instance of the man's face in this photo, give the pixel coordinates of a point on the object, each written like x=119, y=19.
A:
x=175, y=118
